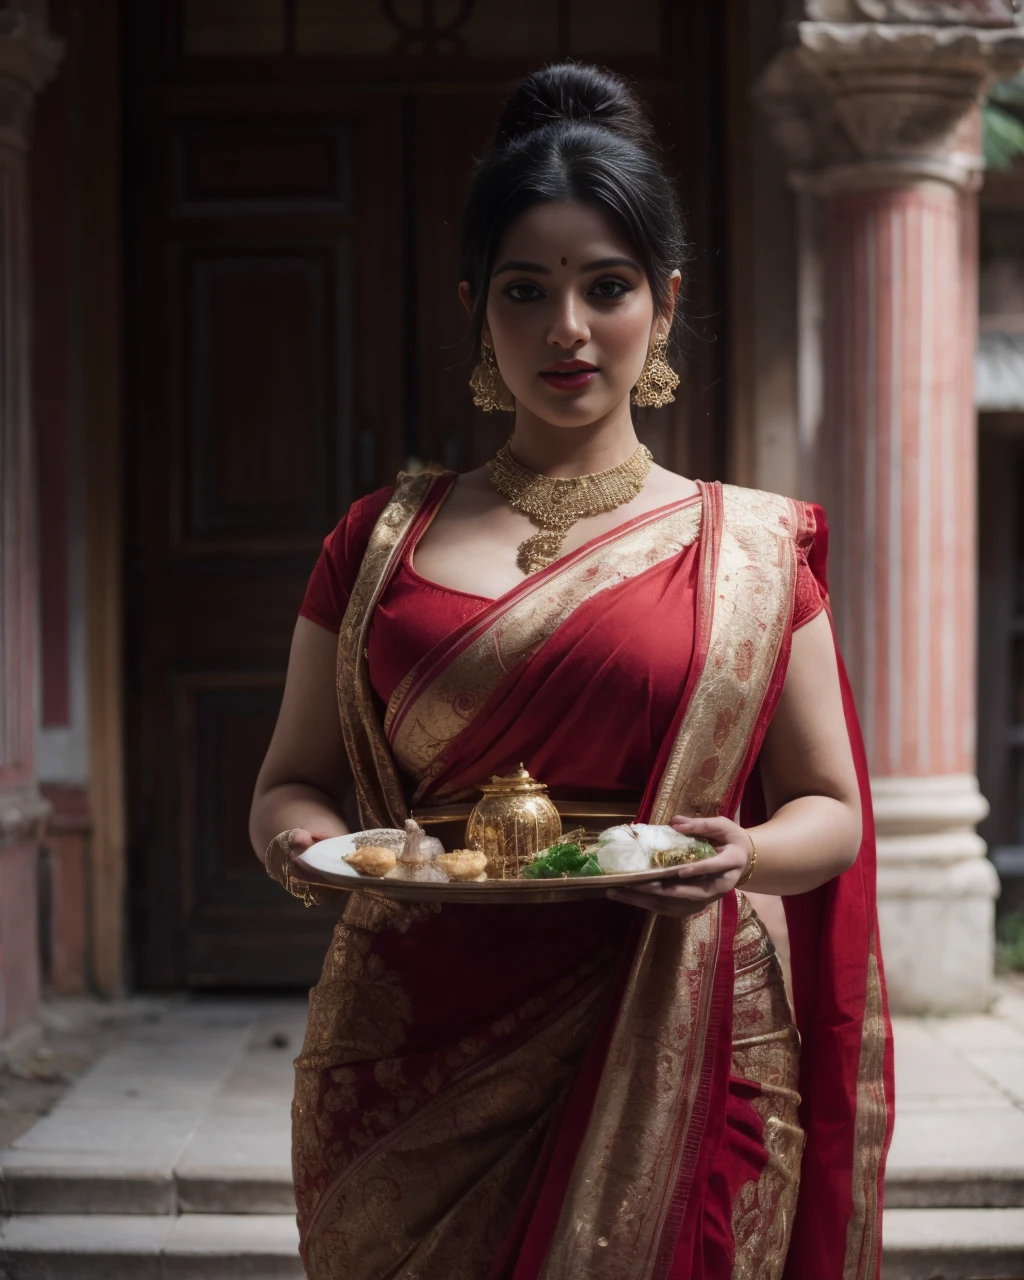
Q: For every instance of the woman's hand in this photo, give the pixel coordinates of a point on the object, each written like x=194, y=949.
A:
x=688, y=889
x=281, y=855
x=286, y=847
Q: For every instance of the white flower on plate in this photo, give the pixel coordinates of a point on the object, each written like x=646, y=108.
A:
x=636, y=846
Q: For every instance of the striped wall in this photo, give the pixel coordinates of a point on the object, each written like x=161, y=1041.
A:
x=900, y=456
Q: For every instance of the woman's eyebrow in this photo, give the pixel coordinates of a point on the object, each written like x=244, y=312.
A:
x=535, y=267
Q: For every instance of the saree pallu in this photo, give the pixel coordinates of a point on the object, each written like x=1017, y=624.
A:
x=517, y=1093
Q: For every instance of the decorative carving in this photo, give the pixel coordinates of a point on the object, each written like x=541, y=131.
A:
x=978, y=13
x=875, y=103
x=430, y=30
x=975, y=13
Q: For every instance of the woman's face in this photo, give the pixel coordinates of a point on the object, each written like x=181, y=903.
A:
x=569, y=313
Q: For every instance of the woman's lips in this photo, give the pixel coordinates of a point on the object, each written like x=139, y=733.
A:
x=569, y=379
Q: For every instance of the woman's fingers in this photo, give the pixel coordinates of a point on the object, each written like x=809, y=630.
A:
x=690, y=887
x=710, y=829
x=690, y=891
x=728, y=859
x=299, y=840
x=666, y=905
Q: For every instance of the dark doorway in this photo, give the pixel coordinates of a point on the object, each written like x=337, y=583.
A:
x=295, y=171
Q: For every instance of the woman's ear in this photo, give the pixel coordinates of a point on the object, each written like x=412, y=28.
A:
x=674, y=281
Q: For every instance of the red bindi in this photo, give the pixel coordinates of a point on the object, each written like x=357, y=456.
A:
x=565, y=262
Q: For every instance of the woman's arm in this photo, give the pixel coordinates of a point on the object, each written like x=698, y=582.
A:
x=305, y=775
x=810, y=787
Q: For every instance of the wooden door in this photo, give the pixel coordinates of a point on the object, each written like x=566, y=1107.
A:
x=294, y=335
x=268, y=396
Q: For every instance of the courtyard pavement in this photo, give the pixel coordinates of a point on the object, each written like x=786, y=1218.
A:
x=178, y=1136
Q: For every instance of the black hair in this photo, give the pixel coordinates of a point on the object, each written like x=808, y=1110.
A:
x=573, y=132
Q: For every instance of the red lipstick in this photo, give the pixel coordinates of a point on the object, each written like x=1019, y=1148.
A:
x=569, y=375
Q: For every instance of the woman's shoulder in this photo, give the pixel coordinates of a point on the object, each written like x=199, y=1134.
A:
x=351, y=535
x=805, y=520
x=356, y=525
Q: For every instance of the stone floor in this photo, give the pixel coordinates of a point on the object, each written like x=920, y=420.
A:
x=959, y=1137
x=169, y=1155
x=189, y=1112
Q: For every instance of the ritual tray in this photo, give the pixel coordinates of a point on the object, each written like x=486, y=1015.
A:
x=328, y=869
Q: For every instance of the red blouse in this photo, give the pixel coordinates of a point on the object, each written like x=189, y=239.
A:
x=414, y=614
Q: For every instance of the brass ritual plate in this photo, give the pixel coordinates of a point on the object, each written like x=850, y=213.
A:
x=325, y=865
x=569, y=889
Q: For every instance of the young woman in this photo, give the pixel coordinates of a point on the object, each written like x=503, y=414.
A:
x=612, y=1088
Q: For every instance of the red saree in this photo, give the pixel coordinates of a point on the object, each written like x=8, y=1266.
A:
x=585, y=1090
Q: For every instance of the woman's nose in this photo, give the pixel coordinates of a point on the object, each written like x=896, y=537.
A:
x=568, y=325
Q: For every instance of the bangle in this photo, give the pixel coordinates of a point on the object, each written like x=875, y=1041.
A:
x=276, y=858
x=277, y=861
x=749, y=871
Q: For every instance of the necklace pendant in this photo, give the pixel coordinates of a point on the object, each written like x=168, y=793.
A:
x=539, y=550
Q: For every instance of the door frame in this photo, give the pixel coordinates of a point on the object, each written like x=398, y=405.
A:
x=100, y=326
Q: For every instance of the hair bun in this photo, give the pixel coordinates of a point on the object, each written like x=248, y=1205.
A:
x=574, y=92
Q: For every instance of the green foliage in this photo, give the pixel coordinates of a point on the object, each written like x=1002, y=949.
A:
x=1002, y=126
x=561, y=860
x=1010, y=940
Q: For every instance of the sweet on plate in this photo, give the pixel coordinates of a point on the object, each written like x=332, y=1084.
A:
x=412, y=855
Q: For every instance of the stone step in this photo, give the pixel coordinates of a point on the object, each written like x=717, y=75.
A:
x=953, y=1188
x=136, y=1247
x=30, y=1185
x=920, y=1244
x=34, y=1182
x=189, y=1114
x=953, y=1244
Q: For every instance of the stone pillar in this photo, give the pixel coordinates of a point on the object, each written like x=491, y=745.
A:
x=881, y=119
x=27, y=60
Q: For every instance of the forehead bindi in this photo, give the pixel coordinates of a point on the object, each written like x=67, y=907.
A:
x=566, y=234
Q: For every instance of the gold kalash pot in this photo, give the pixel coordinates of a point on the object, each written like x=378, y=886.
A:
x=511, y=822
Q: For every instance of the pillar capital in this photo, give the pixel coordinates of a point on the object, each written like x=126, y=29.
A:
x=858, y=103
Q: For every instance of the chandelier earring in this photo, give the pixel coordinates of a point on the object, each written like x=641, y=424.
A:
x=658, y=379
x=489, y=389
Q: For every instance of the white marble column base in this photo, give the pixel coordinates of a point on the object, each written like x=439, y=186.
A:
x=936, y=894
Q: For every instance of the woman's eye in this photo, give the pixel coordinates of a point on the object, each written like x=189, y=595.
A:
x=610, y=289
x=523, y=292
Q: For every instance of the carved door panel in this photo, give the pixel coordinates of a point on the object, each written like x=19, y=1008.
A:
x=268, y=396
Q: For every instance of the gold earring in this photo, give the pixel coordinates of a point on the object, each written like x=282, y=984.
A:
x=489, y=389
x=658, y=379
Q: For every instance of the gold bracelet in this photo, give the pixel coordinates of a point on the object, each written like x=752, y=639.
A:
x=749, y=871
x=277, y=862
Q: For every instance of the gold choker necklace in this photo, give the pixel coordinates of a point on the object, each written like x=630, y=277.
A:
x=556, y=504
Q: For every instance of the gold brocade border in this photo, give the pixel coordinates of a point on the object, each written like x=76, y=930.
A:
x=872, y=1117
x=620, y=1193
x=765, y=1051
x=432, y=707
x=382, y=802
x=754, y=583
x=618, y=1200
